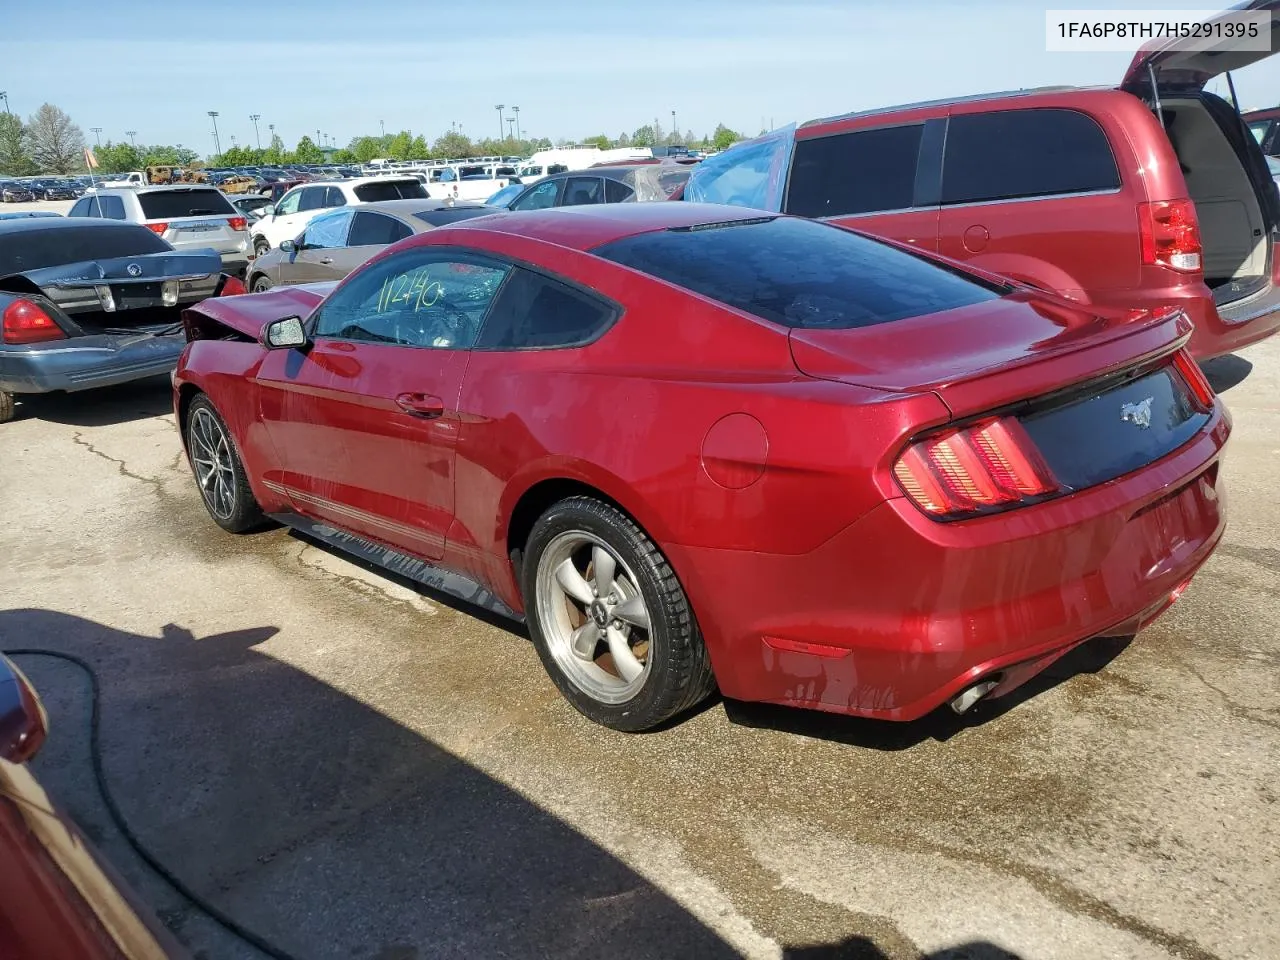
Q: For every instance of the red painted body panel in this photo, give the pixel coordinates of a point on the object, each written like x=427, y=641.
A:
x=1085, y=247
x=770, y=491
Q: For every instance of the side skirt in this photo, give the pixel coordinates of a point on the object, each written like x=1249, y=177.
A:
x=401, y=564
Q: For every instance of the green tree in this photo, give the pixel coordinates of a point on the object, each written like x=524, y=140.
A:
x=644, y=137
x=623, y=139
x=418, y=149
x=452, y=145
x=56, y=142
x=542, y=143
x=366, y=148
x=118, y=158
x=307, y=151
x=400, y=146
x=599, y=140
x=344, y=155
x=15, y=155
x=724, y=138
x=274, y=154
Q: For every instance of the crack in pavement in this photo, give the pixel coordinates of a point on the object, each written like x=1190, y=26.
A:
x=1239, y=711
x=78, y=439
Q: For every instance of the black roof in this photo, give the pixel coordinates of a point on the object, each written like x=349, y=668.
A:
x=31, y=224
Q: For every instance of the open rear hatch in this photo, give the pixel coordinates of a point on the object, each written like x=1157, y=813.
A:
x=1097, y=394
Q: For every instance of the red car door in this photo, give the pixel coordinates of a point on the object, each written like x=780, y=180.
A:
x=365, y=420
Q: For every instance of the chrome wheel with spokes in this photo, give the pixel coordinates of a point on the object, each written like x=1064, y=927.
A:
x=211, y=460
x=594, y=617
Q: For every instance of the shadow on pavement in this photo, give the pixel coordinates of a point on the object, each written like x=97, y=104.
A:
x=942, y=724
x=860, y=948
x=1226, y=372
x=317, y=821
x=138, y=400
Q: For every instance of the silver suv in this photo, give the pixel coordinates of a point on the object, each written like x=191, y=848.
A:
x=189, y=216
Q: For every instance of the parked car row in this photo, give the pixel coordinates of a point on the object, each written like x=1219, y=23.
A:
x=26, y=189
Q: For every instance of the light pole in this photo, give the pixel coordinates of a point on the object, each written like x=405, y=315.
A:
x=217, y=144
x=510, y=121
x=131, y=134
x=271, y=127
x=255, y=117
x=675, y=129
x=4, y=95
x=382, y=125
x=97, y=134
x=500, y=107
x=516, y=111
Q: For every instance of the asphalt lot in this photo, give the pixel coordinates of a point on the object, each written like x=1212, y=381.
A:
x=357, y=770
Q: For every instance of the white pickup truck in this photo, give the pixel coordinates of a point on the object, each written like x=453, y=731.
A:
x=467, y=181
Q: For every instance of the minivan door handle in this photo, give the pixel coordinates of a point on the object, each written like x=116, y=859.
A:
x=421, y=405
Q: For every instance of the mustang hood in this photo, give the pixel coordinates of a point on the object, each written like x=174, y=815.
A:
x=981, y=357
x=248, y=313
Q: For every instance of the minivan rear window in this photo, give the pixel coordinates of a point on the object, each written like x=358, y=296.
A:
x=799, y=273
x=170, y=204
x=1010, y=154
x=390, y=190
x=860, y=172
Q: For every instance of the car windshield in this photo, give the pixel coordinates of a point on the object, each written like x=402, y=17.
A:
x=390, y=190
x=799, y=273
x=167, y=204
x=34, y=249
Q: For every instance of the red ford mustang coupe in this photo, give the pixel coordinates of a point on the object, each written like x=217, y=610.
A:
x=699, y=446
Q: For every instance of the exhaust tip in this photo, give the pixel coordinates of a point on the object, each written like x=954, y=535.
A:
x=971, y=695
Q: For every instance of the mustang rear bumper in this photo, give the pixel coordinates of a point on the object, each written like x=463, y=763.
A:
x=898, y=614
x=82, y=363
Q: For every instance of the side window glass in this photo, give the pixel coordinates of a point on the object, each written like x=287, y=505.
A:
x=373, y=229
x=536, y=311
x=81, y=208
x=312, y=199
x=859, y=172
x=326, y=231
x=289, y=203
x=334, y=197
x=540, y=197
x=617, y=192
x=113, y=208
x=579, y=191
x=415, y=299
x=1009, y=154
x=748, y=175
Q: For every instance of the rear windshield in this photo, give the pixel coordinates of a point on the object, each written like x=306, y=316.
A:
x=799, y=273
x=33, y=249
x=170, y=204
x=438, y=218
x=391, y=190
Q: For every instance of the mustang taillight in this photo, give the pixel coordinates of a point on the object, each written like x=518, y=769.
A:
x=25, y=322
x=989, y=465
x=1190, y=371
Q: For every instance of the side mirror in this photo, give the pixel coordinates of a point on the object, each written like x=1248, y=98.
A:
x=288, y=246
x=23, y=722
x=286, y=334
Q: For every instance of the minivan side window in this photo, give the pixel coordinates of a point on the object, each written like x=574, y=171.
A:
x=1012, y=154
x=865, y=171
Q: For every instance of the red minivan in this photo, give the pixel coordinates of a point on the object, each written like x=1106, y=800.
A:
x=1149, y=195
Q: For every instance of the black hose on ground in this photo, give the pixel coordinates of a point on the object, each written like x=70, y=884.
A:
x=200, y=903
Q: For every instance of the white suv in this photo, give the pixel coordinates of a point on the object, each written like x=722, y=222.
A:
x=191, y=217
x=287, y=219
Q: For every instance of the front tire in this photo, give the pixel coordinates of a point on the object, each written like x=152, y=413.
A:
x=220, y=476
x=261, y=284
x=6, y=406
x=260, y=247
x=609, y=619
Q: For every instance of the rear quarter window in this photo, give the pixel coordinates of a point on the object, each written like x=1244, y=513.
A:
x=799, y=273
x=1012, y=154
x=171, y=204
x=390, y=190
x=535, y=311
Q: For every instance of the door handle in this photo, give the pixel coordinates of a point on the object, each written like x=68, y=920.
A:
x=326, y=259
x=421, y=405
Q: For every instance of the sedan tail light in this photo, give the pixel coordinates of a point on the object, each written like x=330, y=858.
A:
x=157, y=227
x=989, y=465
x=1170, y=235
x=25, y=322
x=237, y=223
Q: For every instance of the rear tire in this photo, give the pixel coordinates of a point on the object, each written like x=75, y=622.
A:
x=6, y=406
x=220, y=476
x=609, y=618
x=260, y=247
x=261, y=284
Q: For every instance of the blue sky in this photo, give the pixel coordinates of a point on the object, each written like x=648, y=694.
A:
x=574, y=67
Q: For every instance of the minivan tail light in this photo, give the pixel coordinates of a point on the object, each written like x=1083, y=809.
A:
x=157, y=227
x=25, y=322
x=1170, y=235
x=989, y=465
x=1195, y=379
